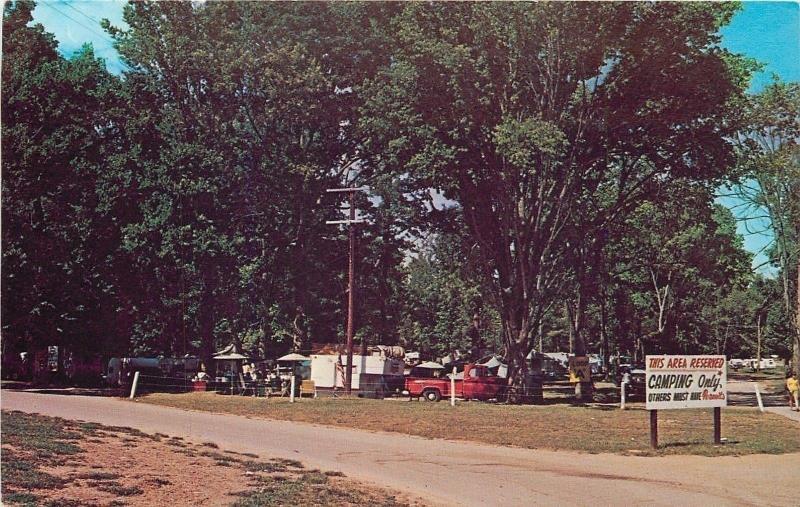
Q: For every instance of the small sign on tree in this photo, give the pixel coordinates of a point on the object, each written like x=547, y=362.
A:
x=579, y=369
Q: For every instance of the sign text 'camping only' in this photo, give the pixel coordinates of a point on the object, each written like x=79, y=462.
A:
x=686, y=382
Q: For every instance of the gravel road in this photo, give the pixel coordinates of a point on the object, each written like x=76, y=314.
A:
x=456, y=473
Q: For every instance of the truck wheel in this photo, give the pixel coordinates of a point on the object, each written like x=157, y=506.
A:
x=432, y=395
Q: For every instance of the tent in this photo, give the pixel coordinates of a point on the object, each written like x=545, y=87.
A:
x=430, y=365
x=229, y=359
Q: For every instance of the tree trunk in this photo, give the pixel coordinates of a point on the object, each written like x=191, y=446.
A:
x=516, y=351
x=541, y=337
x=583, y=390
x=570, y=327
x=796, y=347
x=604, y=334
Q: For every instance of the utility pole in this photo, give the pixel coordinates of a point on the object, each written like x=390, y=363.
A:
x=351, y=274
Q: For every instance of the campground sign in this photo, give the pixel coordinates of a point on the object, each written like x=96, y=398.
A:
x=685, y=382
x=579, y=369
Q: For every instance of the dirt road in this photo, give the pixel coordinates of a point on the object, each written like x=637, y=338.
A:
x=450, y=473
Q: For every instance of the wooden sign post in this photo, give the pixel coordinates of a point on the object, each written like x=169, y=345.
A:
x=654, y=429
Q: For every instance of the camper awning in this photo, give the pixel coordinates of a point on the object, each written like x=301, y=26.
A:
x=230, y=357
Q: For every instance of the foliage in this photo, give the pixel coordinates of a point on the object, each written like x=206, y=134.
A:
x=546, y=123
x=769, y=159
x=55, y=281
x=548, y=165
x=442, y=293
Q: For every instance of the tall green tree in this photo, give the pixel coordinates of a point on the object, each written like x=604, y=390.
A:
x=546, y=123
x=673, y=261
x=239, y=119
x=442, y=292
x=57, y=285
x=769, y=156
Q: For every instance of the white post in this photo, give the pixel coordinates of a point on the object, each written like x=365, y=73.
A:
x=453, y=388
x=291, y=393
x=135, y=383
x=622, y=395
x=758, y=397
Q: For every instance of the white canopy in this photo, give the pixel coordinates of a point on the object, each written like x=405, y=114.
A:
x=294, y=357
x=493, y=362
x=229, y=353
x=430, y=365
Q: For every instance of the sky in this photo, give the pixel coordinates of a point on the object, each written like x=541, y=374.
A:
x=770, y=33
x=766, y=31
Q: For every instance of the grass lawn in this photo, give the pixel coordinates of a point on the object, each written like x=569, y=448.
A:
x=591, y=429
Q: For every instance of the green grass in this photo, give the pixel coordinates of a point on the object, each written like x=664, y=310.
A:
x=99, y=476
x=48, y=438
x=38, y=441
x=308, y=488
x=21, y=498
x=592, y=429
x=118, y=489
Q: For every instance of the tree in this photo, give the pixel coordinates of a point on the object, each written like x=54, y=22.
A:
x=237, y=123
x=675, y=261
x=442, y=292
x=56, y=279
x=769, y=158
x=546, y=123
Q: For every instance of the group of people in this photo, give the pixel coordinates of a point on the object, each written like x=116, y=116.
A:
x=254, y=378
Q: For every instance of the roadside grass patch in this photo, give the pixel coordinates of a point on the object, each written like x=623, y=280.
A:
x=98, y=476
x=27, y=438
x=119, y=490
x=21, y=498
x=589, y=428
x=63, y=502
x=305, y=490
x=49, y=438
x=221, y=459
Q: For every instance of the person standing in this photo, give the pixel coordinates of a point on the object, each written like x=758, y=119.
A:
x=793, y=386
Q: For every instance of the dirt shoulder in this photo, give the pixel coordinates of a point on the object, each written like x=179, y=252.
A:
x=55, y=462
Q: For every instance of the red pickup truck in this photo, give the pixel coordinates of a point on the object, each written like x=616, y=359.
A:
x=477, y=384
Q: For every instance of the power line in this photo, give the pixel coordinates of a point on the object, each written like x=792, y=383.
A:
x=104, y=35
x=93, y=20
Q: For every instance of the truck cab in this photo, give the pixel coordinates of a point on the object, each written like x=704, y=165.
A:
x=475, y=383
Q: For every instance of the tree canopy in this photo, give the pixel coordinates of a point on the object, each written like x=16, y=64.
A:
x=549, y=167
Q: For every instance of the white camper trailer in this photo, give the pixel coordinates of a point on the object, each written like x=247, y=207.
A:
x=375, y=375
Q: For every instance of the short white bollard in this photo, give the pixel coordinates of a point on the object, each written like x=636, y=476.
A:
x=291, y=393
x=622, y=395
x=758, y=397
x=135, y=383
x=453, y=388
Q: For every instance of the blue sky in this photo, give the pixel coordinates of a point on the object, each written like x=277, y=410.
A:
x=767, y=31
x=770, y=33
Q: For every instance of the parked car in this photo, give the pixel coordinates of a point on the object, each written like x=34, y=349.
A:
x=636, y=379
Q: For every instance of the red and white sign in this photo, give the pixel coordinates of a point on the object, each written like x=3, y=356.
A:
x=685, y=382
